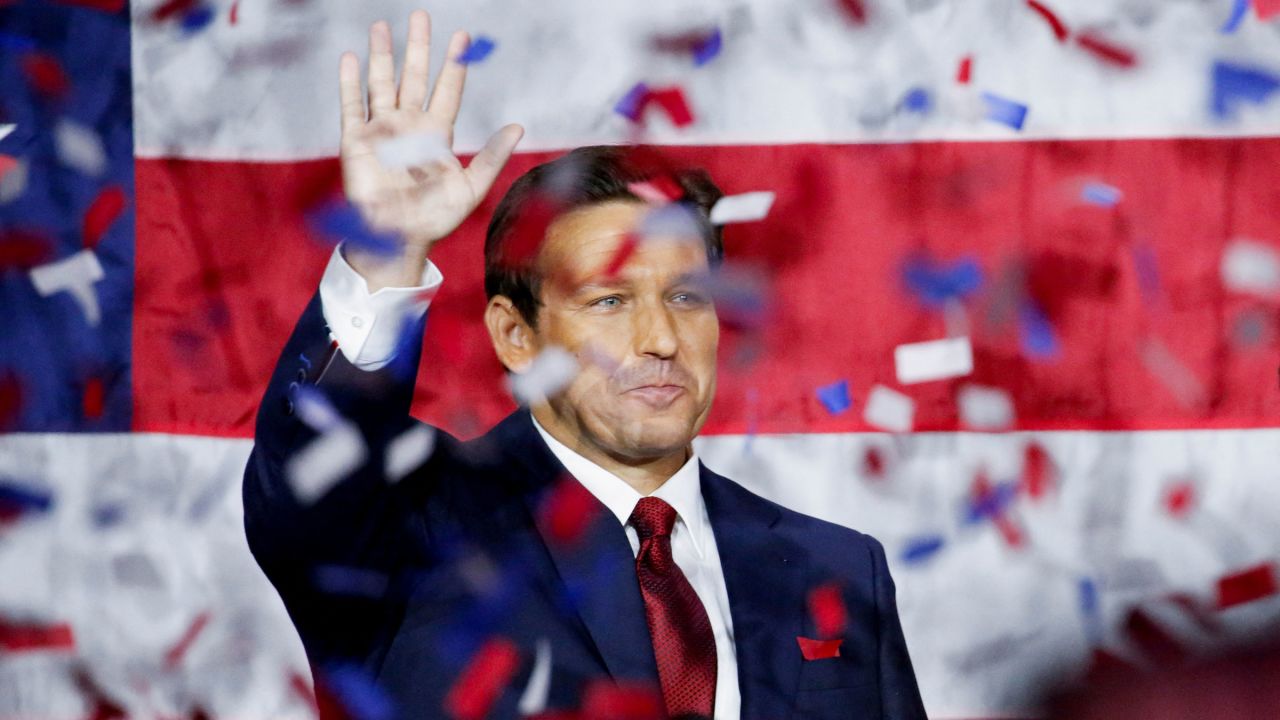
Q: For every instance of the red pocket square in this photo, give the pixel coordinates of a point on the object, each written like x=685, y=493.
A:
x=819, y=649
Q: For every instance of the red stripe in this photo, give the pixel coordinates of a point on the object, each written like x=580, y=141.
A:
x=224, y=268
x=19, y=638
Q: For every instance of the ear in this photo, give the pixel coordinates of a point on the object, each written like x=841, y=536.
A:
x=513, y=340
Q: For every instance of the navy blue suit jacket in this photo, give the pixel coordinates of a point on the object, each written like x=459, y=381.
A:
x=403, y=581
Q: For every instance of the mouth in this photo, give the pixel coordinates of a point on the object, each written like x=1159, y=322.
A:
x=656, y=396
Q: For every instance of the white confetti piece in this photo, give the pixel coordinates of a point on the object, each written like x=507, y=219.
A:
x=75, y=274
x=5, y=129
x=409, y=451
x=412, y=150
x=314, y=409
x=534, y=698
x=933, y=360
x=80, y=148
x=326, y=460
x=1251, y=267
x=985, y=408
x=13, y=182
x=889, y=410
x=550, y=372
x=742, y=208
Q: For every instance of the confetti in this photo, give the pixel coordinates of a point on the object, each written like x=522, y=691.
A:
x=534, y=698
x=854, y=10
x=1266, y=9
x=1059, y=28
x=79, y=147
x=661, y=189
x=933, y=360
x=889, y=409
x=1088, y=593
x=359, y=694
x=103, y=211
x=964, y=71
x=348, y=581
x=1250, y=267
x=313, y=408
x=93, y=401
x=812, y=649
x=626, y=248
x=671, y=99
x=631, y=106
x=1238, y=13
x=922, y=548
x=827, y=609
x=1038, y=473
x=1180, y=498
x=1107, y=51
x=746, y=207
x=1247, y=586
x=484, y=678
x=197, y=18
x=918, y=100
x=708, y=48
x=339, y=221
x=835, y=397
x=16, y=44
x=173, y=657
x=549, y=373
x=1236, y=84
x=233, y=16
x=15, y=637
x=76, y=275
x=13, y=178
x=170, y=9
x=985, y=408
x=46, y=74
x=19, y=499
x=934, y=282
x=479, y=49
x=873, y=463
x=1101, y=194
x=315, y=469
x=1036, y=334
x=413, y=149
x=1155, y=642
x=1004, y=111
x=625, y=700
x=5, y=129
x=567, y=510
x=409, y=451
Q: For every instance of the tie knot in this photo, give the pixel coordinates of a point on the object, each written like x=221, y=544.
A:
x=652, y=516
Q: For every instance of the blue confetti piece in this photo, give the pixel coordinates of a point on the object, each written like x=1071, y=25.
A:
x=991, y=504
x=708, y=48
x=1005, y=111
x=1237, y=16
x=918, y=100
x=478, y=50
x=197, y=18
x=363, y=698
x=920, y=549
x=1089, y=608
x=1235, y=84
x=350, y=581
x=1148, y=272
x=341, y=221
x=633, y=102
x=16, y=43
x=18, y=499
x=935, y=283
x=1101, y=194
x=835, y=397
x=302, y=357
x=1039, y=341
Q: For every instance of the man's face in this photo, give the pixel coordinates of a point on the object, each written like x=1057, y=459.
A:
x=645, y=337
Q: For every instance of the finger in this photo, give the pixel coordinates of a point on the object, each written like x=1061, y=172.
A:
x=485, y=166
x=447, y=95
x=382, y=69
x=349, y=96
x=417, y=53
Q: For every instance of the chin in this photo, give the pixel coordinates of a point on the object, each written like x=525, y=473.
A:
x=657, y=436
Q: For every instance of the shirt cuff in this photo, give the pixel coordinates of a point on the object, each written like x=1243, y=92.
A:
x=367, y=325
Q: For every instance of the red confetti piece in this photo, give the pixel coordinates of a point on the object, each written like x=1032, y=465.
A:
x=622, y=701
x=483, y=679
x=1266, y=9
x=567, y=510
x=1009, y=530
x=873, y=463
x=18, y=638
x=1059, y=28
x=108, y=6
x=1155, y=642
x=1107, y=51
x=1105, y=666
x=528, y=231
x=660, y=189
x=7, y=163
x=171, y=8
x=101, y=213
x=10, y=400
x=1198, y=612
x=180, y=648
x=23, y=250
x=1247, y=586
x=625, y=250
x=673, y=102
x=45, y=74
x=94, y=399
x=1037, y=471
x=819, y=649
x=964, y=73
x=235, y=12
x=1180, y=498
x=826, y=607
x=855, y=10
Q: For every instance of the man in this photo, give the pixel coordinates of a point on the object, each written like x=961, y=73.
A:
x=578, y=553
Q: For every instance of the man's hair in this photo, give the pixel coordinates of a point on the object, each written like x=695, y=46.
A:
x=582, y=177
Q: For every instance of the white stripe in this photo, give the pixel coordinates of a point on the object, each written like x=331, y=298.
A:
x=789, y=72
x=983, y=622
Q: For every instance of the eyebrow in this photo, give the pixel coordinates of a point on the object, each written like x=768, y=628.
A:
x=688, y=278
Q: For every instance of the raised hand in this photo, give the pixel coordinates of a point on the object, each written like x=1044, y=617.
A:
x=423, y=202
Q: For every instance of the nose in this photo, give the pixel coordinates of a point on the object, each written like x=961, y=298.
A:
x=655, y=332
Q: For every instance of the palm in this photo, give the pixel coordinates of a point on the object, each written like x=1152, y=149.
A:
x=426, y=201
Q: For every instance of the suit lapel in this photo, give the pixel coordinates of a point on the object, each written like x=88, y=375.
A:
x=763, y=574
x=595, y=573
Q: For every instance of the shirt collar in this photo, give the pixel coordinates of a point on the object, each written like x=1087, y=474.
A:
x=683, y=490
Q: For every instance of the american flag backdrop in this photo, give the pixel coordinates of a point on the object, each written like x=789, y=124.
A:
x=1013, y=310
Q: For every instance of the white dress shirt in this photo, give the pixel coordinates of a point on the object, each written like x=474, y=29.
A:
x=367, y=325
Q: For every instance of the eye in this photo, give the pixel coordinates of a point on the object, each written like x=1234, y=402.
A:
x=608, y=301
x=688, y=298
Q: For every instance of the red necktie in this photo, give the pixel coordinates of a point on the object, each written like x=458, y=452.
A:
x=683, y=643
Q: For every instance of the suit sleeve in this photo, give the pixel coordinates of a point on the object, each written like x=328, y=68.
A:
x=900, y=695
x=341, y=558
